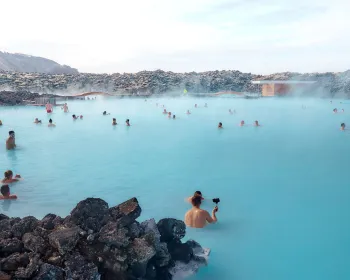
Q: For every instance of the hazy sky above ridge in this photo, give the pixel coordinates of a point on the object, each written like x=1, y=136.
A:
x=259, y=36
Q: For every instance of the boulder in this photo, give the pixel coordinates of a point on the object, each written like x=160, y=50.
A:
x=27, y=224
x=163, y=256
x=14, y=261
x=34, y=243
x=134, y=230
x=5, y=229
x=78, y=268
x=171, y=229
x=139, y=254
x=9, y=246
x=91, y=213
x=50, y=221
x=112, y=234
x=4, y=276
x=180, y=251
x=127, y=212
x=3, y=217
x=64, y=239
x=49, y=272
x=28, y=271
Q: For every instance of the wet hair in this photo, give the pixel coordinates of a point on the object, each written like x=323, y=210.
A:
x=7, y=174
x=196, y=193
x=11, y=132
x=174, y=116
x=114, y=119
x=104, y=112
x=196, y=200
x=5, y=190
x=343, y=124
x=127, y=120
x=220, y=123
x=50, y=120
x=74, y=116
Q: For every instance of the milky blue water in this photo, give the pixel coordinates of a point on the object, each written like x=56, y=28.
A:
x=284, y=186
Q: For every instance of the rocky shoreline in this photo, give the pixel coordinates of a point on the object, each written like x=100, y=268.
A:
x=11, y=98
x=95, y=242
x=160, y=82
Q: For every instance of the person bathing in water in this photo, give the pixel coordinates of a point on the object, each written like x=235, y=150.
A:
x=114, y=122
x=197, y=217
x=220, y=125
x=105, y=113
x=8, y=177
x=174, y=117
x=342, y=126
x=242, y=123
x=256, y=123
x=127, y=122
x=169, y=115
x=74, y=117
x=165, y=112
x=49, y=108
x=37, y=121
x=51, y=124
x=5, y=193
x=188, y=112
x=11, y=142
x=65, y=108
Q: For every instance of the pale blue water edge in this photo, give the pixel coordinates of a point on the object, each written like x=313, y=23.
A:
x=284, y=187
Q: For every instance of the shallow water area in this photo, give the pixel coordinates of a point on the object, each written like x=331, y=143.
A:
x=284, y=210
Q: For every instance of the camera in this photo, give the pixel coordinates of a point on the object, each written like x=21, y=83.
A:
x=216, y=200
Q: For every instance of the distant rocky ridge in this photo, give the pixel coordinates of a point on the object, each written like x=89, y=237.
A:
x=96, y=242
x=27, y=63
x=161, y=82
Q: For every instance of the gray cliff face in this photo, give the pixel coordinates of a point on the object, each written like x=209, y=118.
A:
x=159, y=82
x=26, y=63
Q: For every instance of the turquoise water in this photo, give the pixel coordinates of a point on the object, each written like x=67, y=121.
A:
x=284, y=187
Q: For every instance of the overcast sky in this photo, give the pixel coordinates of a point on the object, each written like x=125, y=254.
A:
x=106, y=36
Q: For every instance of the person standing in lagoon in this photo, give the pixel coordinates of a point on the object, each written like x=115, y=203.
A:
x=65, y=108
x=51, y=124
x=11, y=142
x=342, y=126
x=49, y=108
x=127, y=122
x=197, y=217
x=114, y=121
x=8, y=177
x=5, y=193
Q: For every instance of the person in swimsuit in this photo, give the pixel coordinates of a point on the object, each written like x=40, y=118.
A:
x=105, y=113
x=164, y=111
x=169, y=115
x=242, y=123
x=342, y=126
x=37, y=121
x=196, y=193
x=220, y=125
x=188, y=112
x=5, y=191
x=65, y=108
x=49, y=107
x=8, y=177
x=74, y=117
x=114, y=122
x=335, y=110
x=174, y=117
x=127, y=122
x=197, y=217
x=51, y=124
x=11, y=142
x=0, y=122
x=256, y=123
x=81, y=117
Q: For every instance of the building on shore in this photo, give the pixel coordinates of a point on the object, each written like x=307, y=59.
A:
x=282, y=88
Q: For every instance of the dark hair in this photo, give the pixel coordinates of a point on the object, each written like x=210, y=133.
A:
x=174, y=116
x=114, y=119
x=220, y=123
x=11, y=132
x=5, y=190
x=127, y=120
x=7, y=174
x=197, y=193
x=50, y=121
x=343, y=124
x=73, y=116
x=196, y=200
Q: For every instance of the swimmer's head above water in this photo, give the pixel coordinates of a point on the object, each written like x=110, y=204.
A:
x=342, y=126
x=5, y=190
x=256, y=123
x=12, y=134
x=242, y=123
x=50, y=120
x=174, y=116
x=127, y=122
x=8, y=175
x=220, y=125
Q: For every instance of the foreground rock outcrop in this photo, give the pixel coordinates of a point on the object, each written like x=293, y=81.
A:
x=95, y=242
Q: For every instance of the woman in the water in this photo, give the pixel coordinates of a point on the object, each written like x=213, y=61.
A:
x=342, y=126
x=8, y=177
x=242, y=123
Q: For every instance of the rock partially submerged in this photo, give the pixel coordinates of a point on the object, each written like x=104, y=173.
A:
x=95, y=242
